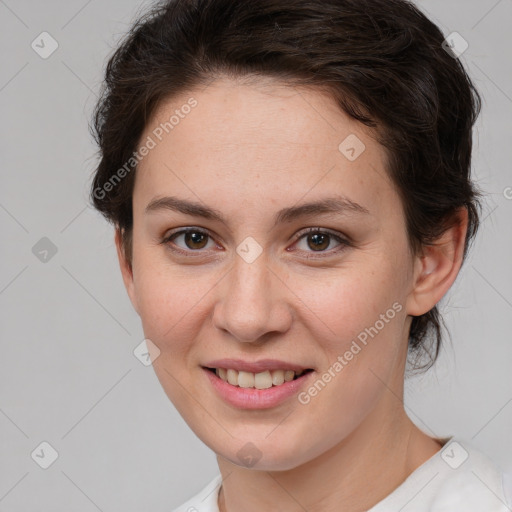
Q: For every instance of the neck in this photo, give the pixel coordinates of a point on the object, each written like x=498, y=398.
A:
x=379, y=453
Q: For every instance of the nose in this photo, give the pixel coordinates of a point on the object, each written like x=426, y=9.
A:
x=252, y=302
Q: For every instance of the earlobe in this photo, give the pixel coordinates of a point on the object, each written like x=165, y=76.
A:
x=437, y=267
x=126, y=269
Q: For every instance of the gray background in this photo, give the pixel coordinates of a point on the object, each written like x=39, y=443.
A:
x=68, y=373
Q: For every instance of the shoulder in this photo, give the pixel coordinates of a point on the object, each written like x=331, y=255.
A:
x=205, y=500
x=472, y=481
x=457, y=478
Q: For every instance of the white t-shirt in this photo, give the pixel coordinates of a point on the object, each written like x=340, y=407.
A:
x=458, y=478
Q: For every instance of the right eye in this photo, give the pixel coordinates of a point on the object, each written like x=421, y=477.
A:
x=192, y=240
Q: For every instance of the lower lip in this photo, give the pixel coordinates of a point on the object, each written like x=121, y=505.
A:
x=252, y=398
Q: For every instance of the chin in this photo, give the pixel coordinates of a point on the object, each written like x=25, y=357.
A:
x=270, y=454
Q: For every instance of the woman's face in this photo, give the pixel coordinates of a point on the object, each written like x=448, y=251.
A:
x=249, y=284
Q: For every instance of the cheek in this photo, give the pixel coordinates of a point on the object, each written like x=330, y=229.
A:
x=170, y=303
x=352, y=303
x=363, y=315
x=367, y=316
x=172, y=312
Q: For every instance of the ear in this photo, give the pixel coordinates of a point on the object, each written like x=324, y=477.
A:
x=436, y=269
x=126, y=270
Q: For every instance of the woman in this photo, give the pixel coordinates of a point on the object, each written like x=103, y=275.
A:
x=290, y=186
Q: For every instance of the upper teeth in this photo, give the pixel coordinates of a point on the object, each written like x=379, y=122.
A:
x=262, y=380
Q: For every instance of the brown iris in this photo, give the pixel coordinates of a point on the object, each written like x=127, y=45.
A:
x=195, y=240
x=320, y=241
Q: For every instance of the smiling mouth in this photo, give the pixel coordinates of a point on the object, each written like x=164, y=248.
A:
x=261, y=380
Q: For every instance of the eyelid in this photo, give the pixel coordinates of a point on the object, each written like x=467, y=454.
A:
x=316, y=229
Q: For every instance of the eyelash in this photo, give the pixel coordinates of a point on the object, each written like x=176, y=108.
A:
x=344, y=243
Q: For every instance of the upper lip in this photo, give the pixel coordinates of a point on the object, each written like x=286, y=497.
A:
x=254, y=366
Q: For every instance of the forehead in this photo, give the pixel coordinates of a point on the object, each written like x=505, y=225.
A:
x=266, y=140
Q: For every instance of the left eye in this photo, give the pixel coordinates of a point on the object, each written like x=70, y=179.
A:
x=318, y=241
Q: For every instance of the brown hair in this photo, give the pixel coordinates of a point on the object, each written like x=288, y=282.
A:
x=382, y=60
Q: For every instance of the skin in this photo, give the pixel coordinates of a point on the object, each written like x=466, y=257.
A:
x=247, y=151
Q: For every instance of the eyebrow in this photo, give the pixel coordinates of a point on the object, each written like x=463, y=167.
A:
x=338, y=205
